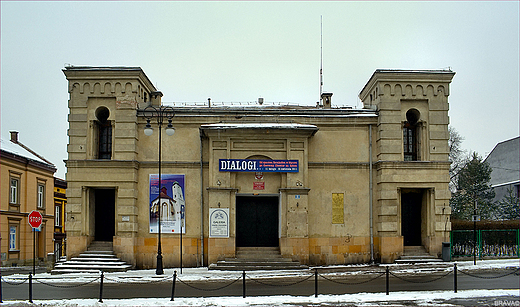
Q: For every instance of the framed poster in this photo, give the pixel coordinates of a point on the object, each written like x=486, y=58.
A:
x=170, y=202
x=219, y=223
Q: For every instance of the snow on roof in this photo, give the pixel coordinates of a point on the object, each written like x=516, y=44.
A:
x=18, y=150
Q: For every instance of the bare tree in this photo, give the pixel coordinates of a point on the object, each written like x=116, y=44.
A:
x=458, y=157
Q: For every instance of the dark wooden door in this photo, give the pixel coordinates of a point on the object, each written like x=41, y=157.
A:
x=411, y=204
x=257, y=221
x=105, y=200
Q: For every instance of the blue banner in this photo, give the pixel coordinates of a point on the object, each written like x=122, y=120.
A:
x=245, y=165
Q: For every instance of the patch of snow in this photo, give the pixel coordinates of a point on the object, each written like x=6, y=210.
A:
x=430, y=298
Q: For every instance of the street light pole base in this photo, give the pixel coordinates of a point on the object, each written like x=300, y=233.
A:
x=159, y=270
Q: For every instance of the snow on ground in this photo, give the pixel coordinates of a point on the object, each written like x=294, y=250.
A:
x=203, y=274
x=416, y=298
x=430, y=298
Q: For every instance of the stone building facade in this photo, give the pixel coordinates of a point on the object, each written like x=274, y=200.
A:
x=325, y=184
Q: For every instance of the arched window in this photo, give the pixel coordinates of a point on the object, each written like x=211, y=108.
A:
x=104, y=129
x=411, y=135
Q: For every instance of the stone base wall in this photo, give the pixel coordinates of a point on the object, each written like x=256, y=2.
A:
x=76, y=245
x=220, y=248
x=390, y=248
x=146, y=252
x=327, y=251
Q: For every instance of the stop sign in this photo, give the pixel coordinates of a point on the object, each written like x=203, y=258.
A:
x=35, y=219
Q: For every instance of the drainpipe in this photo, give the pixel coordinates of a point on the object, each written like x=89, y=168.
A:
x=201, y=204
x=370, y=194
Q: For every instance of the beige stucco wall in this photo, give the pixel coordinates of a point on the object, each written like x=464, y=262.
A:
x=29, y=176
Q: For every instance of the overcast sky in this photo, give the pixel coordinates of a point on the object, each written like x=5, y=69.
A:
x=239, y=51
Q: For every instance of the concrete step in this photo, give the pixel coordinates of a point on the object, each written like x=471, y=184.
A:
x=417, y=260
x=95, y=259
x=99, y=256
x=88, y=268
x=253, y=260
x=255, y=267
x=416, y=254
x=101, y=246
x=90, y=256
x=256, y=258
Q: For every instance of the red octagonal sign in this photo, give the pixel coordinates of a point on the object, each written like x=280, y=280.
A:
x=35, y=219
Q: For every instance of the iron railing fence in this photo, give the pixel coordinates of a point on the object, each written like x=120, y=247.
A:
x=489, y=243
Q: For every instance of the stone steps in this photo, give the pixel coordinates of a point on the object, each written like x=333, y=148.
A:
x=416, y=254
x=257, y=258
x=99, y=256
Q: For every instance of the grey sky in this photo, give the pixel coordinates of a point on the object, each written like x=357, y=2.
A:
x=239, y=51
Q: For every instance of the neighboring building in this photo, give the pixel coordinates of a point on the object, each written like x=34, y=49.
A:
x=27, y=185
x=326, y=185
x=60, y=201
x=504, y=161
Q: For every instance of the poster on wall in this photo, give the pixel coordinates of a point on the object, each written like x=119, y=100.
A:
x=171, y=202
x=219, y=223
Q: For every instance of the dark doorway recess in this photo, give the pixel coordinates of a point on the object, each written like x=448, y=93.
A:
x=105, y=207
x=257, y=221
x=411, y=204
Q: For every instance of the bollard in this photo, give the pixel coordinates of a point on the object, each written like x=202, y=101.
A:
x=101, y=288
x=387, y=281
x=30, y=288
x=455, y=278
x=173, y=285
x=315, y=282
x=243, y=284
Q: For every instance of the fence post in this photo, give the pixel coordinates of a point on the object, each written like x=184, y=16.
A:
x=517, y=242
x=30, y=288
x=315, y=282
x=387, y=280
x=173, y=285
x=455, y=278
x=1, y=287
x=243, y=284
x=101, y=288
x=480, y=245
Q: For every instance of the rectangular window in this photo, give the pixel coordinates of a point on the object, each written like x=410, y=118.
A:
x=41, y=195
x=13, y=237
x=57, y=216
x=13, y=196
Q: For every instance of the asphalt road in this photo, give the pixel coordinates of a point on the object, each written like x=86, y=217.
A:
x=259, y=287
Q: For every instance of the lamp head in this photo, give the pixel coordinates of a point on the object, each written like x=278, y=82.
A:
x=169, y=129
x=148, y=130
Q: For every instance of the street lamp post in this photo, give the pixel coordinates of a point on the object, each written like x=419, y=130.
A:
x=159, y=113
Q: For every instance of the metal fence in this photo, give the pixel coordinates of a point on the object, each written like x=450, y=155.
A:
x=489, y=243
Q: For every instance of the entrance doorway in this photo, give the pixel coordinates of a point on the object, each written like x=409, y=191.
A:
x=411, y=207
x=257, y=221
x=104, y=204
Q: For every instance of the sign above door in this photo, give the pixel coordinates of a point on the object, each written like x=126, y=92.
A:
x=245, y=165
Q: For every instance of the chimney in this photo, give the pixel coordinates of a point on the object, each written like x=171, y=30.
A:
x=326, y=100
x=14, y=136
x=260, y=101
x=155, y=98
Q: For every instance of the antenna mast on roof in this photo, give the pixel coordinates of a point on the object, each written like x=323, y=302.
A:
x=321, y=55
